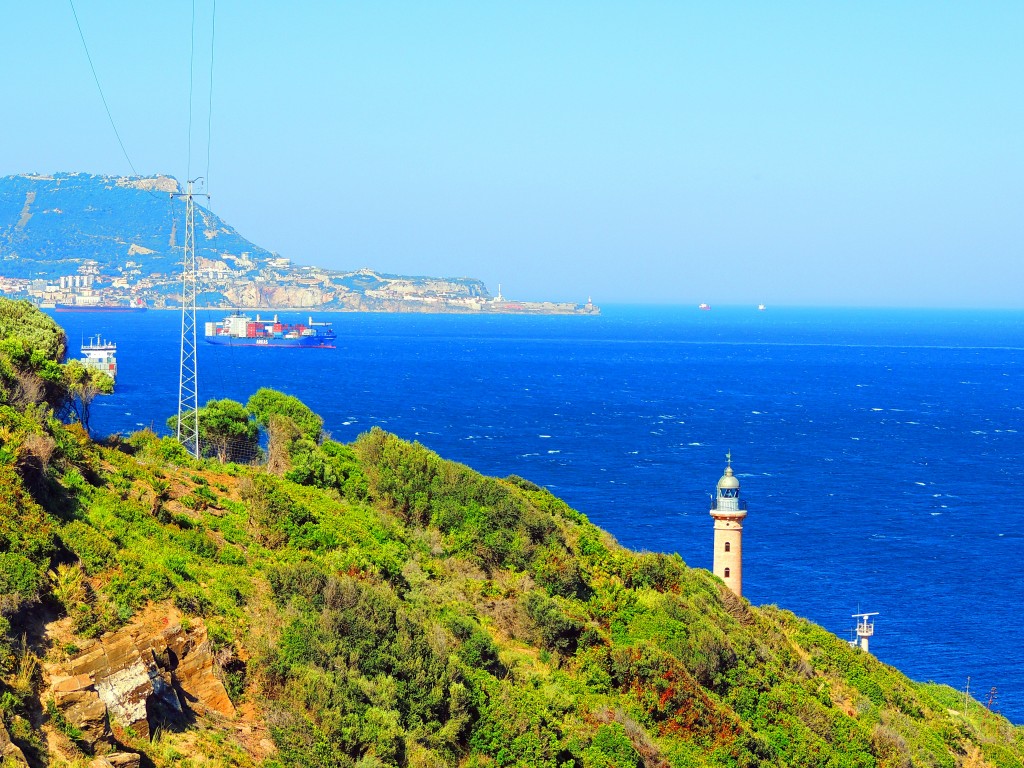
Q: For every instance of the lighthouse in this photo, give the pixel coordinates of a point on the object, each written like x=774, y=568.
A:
x=728, y=512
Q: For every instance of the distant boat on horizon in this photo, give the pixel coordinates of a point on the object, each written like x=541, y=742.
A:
x=705, y=307
x=136, y=306
x=761, y=307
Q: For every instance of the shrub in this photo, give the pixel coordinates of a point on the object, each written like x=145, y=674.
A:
x=89, y=545
x=273, y=515
x=305, y=578
x=559, y=572
x=557, y=630
x=20, y=580
x=478, y=650
x=225, y=430
x=189, y=599
x=611, y=748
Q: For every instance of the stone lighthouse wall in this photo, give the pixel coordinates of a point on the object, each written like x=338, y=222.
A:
x=728, y=561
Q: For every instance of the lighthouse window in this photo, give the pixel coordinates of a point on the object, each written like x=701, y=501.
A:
x=730, y=493
x=727, y=573
x=727, y=546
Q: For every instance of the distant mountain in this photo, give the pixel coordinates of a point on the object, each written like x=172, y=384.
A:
x=79, y=239
x=50, y=225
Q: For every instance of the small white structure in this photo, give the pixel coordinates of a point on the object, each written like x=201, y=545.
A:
x=100, y=355
x=865, y=628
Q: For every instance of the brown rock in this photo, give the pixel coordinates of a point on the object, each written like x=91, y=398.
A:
x=136, y=670
x=9, y=751
x=81, y=706
x=72, y=683
x=117, y=760
x=90, y=717
x=122, y=679
x=195, y=674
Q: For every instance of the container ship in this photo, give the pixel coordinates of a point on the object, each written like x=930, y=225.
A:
x=242, y=331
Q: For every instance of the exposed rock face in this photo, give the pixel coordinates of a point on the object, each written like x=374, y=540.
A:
x=76, y=697
x=9, y=751
x=157, y=184
x=139, y=676
x=276, y=296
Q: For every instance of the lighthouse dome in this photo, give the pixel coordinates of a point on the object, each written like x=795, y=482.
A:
x=728, y=480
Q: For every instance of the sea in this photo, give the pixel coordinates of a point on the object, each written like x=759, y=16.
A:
x=879, y=451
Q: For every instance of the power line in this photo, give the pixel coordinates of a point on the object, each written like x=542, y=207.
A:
x=103, y=98
x=209, y=112
x=191, y=84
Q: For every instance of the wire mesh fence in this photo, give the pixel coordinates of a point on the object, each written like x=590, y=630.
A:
x=232, y=450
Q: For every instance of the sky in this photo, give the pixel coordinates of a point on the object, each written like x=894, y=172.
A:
x=791, y=153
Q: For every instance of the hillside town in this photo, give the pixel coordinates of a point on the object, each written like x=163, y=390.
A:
x=83, y=241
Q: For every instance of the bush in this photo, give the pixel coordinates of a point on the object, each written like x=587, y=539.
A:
x=517, y=727
x=557, y=630
x=305, y=578
x=559, y=572
x=478, y=650
x=270, y=508
x=20, y=580
x=611, y=748
x=89, y=545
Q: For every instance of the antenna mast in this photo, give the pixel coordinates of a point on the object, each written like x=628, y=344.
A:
x=188, y=376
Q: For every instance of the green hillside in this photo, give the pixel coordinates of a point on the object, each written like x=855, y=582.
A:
x=372, y=604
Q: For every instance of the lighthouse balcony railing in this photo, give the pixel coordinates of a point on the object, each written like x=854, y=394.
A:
x=728, y=505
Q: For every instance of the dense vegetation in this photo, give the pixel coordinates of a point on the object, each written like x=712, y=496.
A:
x=376, y=605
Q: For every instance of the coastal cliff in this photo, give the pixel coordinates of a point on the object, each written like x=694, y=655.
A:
x=372, y=604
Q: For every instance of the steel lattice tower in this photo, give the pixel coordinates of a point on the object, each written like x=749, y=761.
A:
x=188, y=378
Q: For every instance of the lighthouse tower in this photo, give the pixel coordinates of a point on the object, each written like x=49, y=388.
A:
x=728, y=512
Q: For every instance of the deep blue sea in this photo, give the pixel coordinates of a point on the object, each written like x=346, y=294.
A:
x=879, y=451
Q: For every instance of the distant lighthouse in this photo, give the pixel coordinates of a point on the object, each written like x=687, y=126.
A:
x=728, y=512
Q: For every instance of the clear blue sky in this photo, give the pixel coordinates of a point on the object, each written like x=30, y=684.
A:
x=867, y=153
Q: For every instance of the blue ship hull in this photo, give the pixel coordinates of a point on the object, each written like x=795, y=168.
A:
x=237, y=330
x=323, y=341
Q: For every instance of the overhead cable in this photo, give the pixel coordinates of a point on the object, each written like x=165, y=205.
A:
x=103, y=98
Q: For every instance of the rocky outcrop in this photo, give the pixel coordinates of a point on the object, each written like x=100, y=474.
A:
x=117, y=760
x=272, y=296
x=139, y=676
x=9, y=751
x=76, y=698
x=156, y=184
